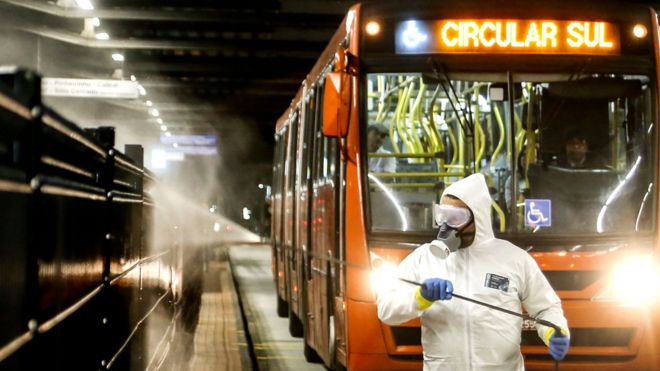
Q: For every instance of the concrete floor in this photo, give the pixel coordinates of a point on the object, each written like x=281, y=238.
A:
x=274, y=348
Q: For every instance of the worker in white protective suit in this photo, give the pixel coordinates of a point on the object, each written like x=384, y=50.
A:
x=456, y=334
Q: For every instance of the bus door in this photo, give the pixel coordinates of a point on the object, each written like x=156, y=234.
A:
x=324, y=239
x=278, y=219
x=303, y=197
x=289, y=205
x=295, y=325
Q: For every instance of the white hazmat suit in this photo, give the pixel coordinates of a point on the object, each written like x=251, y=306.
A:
x=459, y=335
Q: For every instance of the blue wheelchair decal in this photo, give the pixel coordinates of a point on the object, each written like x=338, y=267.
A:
x=538, y=213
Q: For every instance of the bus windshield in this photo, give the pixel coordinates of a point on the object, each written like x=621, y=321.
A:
x=561, y=153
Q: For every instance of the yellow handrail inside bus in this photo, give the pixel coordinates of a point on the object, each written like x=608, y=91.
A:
x=415, y=118
x=438, y=144
x=414, y=185
x=415, y=174
x=382, y=102
x=479, y=136
x=500, y=213
x=500, y=127
x=495, y=206
x=402, y=126
x=397, y=119
x=454, y=147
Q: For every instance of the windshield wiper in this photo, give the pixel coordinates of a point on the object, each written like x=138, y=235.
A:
x=442, y=77
x=464, y=118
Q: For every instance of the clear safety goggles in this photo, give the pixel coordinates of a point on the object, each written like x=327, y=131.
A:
x=455, y=217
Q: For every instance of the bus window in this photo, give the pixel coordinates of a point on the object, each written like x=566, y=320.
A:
x=593, y=157
x=582, y=149
x=420, y=138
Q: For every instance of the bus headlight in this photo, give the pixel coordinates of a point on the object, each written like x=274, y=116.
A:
x=383, y=273
x=634, y=282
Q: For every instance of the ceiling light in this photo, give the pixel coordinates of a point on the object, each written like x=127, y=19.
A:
x=102, y=36
x=118, y=57
x=639, y=31
x=175, y=145
x=133, y=78
x=149, y=103
x=168, y=134
x=163, y=128
x=142, y=90
x=154, y=112
x=96, y=21
x=85, y=4
x=373, y=28
x=160, y=121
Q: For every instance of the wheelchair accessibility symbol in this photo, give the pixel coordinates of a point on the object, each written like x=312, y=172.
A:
x=538, y=213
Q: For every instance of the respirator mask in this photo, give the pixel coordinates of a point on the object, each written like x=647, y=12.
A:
x=451, y=220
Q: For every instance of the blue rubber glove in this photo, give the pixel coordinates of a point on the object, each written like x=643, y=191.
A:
x=559, y=346
x=437, y=289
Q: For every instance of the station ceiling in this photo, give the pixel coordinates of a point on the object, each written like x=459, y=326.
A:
x=225, y=67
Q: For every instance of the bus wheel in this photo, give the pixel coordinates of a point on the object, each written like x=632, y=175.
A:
x=282, y=307
x=295, y=325
x=310, y=354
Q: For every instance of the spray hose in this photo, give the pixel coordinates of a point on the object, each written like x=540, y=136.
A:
x=543, y=322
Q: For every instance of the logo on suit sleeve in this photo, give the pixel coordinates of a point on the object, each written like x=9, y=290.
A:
x=497, y=282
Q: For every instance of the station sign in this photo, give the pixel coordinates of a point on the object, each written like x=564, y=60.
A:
x=189, y=144
x=507, y=37
x=89, y=88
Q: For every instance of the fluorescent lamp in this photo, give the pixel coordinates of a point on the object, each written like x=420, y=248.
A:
x=154, y=112
x=149, y=103
x=85, y=4
x=373, y=28
x=160, y=121
x=168, y=134
x=102, y=36
x=96, y=22
x=163, y=128
x=158, y=160
x=118, y=57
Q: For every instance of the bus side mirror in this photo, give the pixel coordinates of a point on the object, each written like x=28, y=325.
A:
x=335, y=104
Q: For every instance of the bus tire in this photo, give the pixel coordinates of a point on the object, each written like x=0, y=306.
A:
x=310, y=354
x=295, y=325
x=282, y=307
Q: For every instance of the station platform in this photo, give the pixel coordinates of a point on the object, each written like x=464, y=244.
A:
x=219, y=340
x=240, y=276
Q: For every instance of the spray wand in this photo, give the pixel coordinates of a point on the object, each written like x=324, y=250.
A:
x=523, y=316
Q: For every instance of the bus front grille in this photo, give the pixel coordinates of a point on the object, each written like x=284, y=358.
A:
x=588, y=337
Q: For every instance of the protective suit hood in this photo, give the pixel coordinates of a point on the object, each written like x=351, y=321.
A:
x=474, y=192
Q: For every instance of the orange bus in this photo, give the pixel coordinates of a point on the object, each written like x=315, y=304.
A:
x=556, y=104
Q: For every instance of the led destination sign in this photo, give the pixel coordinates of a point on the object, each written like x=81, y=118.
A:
x=507, y=36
